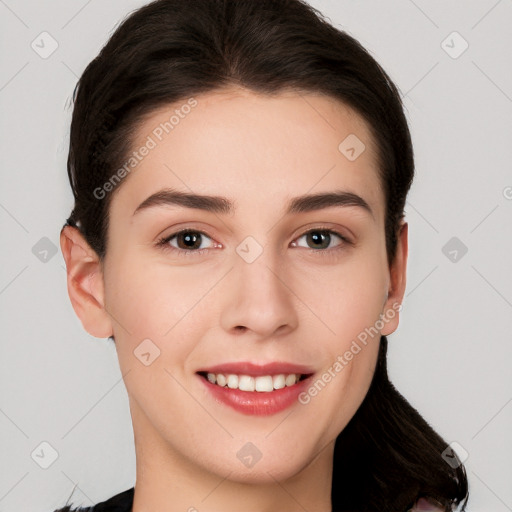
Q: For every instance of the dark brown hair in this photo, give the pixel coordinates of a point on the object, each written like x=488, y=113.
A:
x=171, y=50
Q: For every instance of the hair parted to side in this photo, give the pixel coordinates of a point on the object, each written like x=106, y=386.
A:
x=171, y=50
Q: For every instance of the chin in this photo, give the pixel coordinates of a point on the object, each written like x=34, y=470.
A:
x=262, y=472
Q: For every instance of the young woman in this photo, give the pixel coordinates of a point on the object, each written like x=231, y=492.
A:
x=240, y=170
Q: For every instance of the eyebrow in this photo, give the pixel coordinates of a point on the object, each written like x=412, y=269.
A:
x=222, y=205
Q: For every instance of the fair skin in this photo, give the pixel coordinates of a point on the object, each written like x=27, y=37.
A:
x=297, y=303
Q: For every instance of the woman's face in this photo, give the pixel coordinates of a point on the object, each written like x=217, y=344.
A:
x=254, y=280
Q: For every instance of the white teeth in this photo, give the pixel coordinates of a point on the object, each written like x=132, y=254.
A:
x=246, y=383
x=233, y=381
x=290, y=379
x=263, y=384
x=279, y=381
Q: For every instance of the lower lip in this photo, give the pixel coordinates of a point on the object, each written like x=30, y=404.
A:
x=259, y=403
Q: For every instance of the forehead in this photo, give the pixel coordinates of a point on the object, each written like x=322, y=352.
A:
x=254, y=148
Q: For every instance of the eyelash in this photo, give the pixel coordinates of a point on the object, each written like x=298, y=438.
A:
x=164, y=242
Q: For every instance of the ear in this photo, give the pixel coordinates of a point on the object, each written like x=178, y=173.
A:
x=85, y=283
x=397, y=272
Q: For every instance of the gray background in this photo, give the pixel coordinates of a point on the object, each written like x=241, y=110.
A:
x=451, y=355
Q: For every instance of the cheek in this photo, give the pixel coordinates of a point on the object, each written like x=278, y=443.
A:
x=157, y=301
x=346, y=298
x=158, y=310
x=348, y=303
x=148, y=300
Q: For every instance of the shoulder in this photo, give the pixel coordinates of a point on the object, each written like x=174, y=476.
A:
x=121, y=502
x=68, y=508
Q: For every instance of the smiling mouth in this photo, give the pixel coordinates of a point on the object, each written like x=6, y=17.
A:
x=259, y=384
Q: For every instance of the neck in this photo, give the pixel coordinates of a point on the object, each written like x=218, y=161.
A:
x=166, y=480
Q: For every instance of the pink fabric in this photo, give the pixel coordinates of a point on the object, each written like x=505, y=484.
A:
x=423, y=505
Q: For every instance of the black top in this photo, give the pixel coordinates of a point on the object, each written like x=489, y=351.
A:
x=121, y=502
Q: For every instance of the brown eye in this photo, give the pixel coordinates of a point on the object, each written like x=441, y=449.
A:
x=187, y=242
x=319, y=239
x=322, y=239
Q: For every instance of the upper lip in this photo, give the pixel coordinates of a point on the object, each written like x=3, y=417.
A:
x=255, y=369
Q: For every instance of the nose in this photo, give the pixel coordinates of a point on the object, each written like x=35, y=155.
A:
x=259, y=298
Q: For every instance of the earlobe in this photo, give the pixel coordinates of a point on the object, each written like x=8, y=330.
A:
x=398, y=279
x=85, y=283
